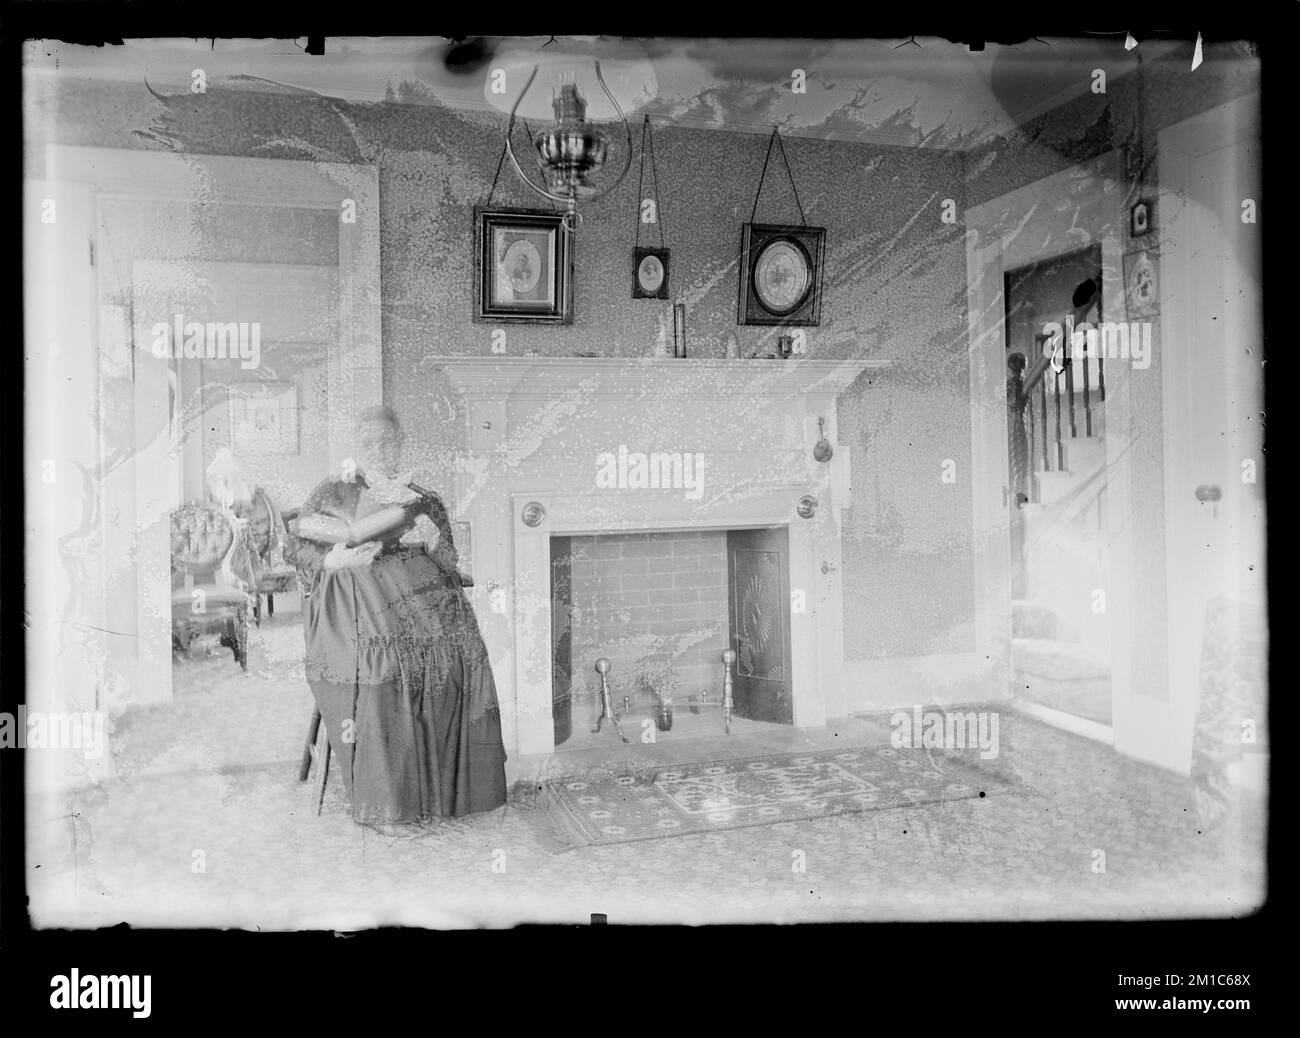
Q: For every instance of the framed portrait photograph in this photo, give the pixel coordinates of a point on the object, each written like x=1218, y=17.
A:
x=781, y=274
x=524, y=268
x=1141, y=218
x=649, y=273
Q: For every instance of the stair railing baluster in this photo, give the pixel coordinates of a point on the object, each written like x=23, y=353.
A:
x=1042, y=388
x=1033, y=451
x=1069, y=387
x=1060, y=447
x=1087, y=402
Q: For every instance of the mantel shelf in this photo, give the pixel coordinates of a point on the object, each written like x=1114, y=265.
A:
x=500, y=377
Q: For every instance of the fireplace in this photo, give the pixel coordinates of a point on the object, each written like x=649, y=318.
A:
x=660, y=608
x=649, y=452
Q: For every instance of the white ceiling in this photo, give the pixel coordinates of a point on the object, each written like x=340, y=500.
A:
x=937, y=94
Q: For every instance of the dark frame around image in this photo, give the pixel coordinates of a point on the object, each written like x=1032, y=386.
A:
x=647, y=264
x=523, y=266
x=807, y=243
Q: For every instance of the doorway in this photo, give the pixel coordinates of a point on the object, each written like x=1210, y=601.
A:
x=1051, y=524
x=1060, y=640
x=118, y=207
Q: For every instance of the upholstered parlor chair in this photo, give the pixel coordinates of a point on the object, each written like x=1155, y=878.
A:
x=212, y=577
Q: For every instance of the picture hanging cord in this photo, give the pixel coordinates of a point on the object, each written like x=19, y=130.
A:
x=496, y=176
x=777, y=137
x=500, y=161
x=654, y=173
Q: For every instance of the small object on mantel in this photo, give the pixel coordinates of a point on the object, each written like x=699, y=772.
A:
x=679, y=330
x=732, y=346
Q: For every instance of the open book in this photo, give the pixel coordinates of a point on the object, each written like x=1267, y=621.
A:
x=384, y=524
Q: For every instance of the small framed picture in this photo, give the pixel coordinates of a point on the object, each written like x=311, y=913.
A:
x=649, y=273
x=1142, y=284
x=524, y=266
x=264, y=416
x=1140, y=218
x=781, y=274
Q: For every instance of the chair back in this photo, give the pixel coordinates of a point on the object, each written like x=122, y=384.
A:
x=212, y=544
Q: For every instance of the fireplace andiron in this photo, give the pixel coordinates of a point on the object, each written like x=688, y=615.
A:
x=607, y=711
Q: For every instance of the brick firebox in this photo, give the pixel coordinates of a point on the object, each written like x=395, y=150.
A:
x=643, y=595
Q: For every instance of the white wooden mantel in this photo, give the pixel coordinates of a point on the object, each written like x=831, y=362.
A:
x=534, y=429
x=488, y=377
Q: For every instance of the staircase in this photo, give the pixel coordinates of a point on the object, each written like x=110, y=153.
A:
x=1057, y=481
x=1056, y=425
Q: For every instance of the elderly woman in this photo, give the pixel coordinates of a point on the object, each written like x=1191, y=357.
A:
x=394, y=654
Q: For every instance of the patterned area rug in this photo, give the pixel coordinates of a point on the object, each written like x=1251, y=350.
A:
x=735, y=794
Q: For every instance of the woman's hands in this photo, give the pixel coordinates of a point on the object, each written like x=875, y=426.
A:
x=363, y=554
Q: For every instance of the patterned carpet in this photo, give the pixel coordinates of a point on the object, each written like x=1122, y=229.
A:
x=205, y=824
x=736, y=794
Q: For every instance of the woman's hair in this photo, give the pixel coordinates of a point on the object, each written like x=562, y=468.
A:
x=380, y=413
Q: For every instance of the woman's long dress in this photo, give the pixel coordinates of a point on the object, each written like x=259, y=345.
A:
x=399, y=670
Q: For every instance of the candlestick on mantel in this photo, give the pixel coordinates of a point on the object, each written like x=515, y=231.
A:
x=679, y=330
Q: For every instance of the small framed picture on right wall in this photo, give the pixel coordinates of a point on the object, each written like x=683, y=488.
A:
x=1140, y=217
x=1141, y=284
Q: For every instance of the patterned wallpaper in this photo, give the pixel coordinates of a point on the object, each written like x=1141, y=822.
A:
x=894, y=288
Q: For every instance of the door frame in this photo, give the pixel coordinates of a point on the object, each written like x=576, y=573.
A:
x=355, y=371
x=355, y=367
x=1014, y=230
x=70, y=632
x=1170, y=721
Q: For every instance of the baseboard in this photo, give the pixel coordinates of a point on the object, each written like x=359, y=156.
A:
x=1058, y=719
